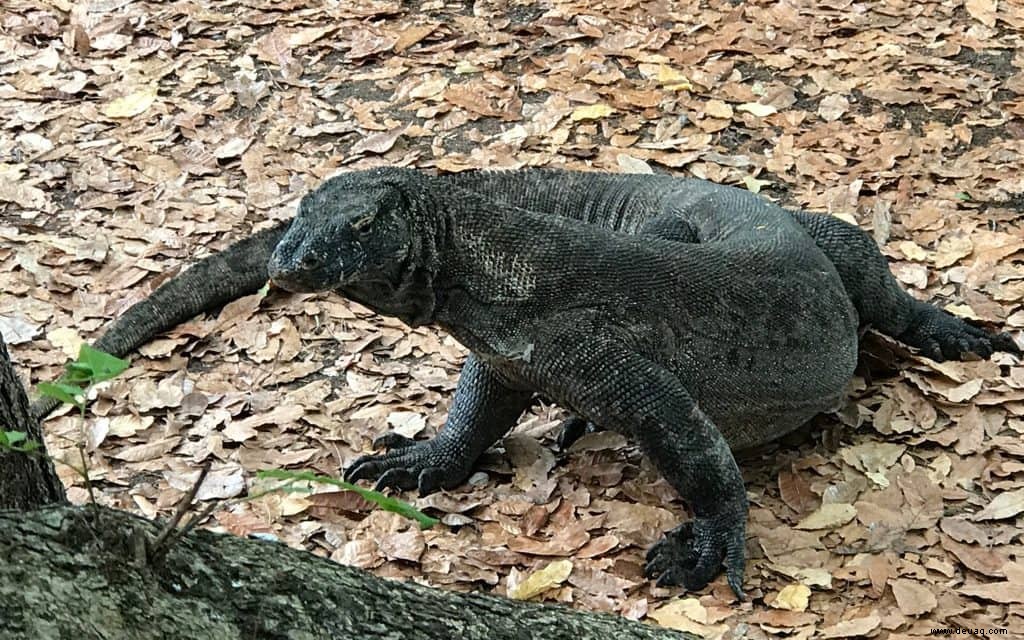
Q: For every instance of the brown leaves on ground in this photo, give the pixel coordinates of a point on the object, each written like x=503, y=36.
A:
x=138, y=136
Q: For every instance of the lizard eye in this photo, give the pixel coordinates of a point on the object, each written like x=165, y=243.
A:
x=362, y=224
x=310, y=262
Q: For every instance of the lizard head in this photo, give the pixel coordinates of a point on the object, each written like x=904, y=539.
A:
x=352, y=230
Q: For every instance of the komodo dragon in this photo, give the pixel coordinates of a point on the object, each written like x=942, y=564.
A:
x=692, y=317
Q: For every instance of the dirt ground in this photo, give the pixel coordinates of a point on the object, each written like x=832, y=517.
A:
x=136, y=137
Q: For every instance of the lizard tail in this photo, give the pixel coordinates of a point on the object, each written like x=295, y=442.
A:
x=239, y=270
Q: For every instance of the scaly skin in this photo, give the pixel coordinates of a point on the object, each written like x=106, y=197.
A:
x=626, y=203
x=637, y=334
x=633, y=203
x=237, y=271
x=495, y=385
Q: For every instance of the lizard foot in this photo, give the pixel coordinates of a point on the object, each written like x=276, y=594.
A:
x=942, y=336
x=692, y=554
x=425, y=465
x=572, y=429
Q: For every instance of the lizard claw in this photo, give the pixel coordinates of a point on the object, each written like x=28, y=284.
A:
x=693, y=553
x=942, y=336
x=392, y=440
x=425, y=465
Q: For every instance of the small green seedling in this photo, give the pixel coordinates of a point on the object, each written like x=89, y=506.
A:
x=92, y=367
x=17, y=441
x=384, y=502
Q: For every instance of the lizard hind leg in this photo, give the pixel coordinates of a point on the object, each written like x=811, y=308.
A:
x=942, y=336
x=670, y=226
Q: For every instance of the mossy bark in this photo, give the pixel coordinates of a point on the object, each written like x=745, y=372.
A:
x=27, y=481
x=64, y=574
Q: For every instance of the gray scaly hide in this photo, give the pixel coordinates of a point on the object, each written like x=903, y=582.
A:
x=691, y=316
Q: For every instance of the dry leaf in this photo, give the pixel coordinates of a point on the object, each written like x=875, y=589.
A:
x=131, y=105
x=669, y=78
x=690, y=608
x=309, y=35
x=912, y=251
x=291, y=504
x=962, y=311
x=128, y=425
x=591, y=112
x=536, y=583
x=566, y=541
x=378, y=142
x=965, y=391
x=689, y=615
x=411, y=35
x=629, y=164
x=872, y=457
x=233, y=148
x=278, y=416
x=407, y=545
x=852, y=628
x=532, y=461
x=24, y=195
x=828, y=516
x=754, y=185
x=429, y=88
x=358, y=553
x=718, y=109
x=810, y=576
x=793, y=597
x=832, y=107
x=147, y=451
x=757, y=109
x=406, y=423
x=67, y=340
x=984, y=11
x=16, y=330
x=953, y=248
x=1005, y=505
x=796, y=492
x=912, y=597
x=1004, y=592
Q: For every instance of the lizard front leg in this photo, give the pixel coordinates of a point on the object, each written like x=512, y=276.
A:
x=484, y=409
x=605, y=380
x=693, y=553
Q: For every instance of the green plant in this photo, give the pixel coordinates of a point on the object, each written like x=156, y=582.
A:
x=94, y=366
x=384, y=502
x=17, y=441
x=90, y=368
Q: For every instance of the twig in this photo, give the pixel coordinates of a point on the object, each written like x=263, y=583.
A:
x=83, y=439
x=157, y=549
x=203, y=515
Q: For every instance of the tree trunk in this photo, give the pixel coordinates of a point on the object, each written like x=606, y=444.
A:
x=63, y=575
x=27, y=481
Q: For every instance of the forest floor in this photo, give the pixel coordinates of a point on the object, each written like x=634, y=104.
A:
x=136, y=137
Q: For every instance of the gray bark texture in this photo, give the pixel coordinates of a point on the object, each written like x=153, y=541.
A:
x=26, y=481
x=65, y=575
